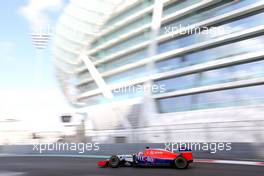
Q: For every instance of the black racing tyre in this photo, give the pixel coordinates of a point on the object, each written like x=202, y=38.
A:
x=114, y=161
x=134, y=164
x=181, y=163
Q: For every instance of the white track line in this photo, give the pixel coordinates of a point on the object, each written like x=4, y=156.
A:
x=253, y=163
x=7, y=173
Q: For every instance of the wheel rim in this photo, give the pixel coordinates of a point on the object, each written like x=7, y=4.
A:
x=181, y=163
x=114, y=161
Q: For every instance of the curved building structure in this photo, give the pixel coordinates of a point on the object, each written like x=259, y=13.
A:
x=148, y=70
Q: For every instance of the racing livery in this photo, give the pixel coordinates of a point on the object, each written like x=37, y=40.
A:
x=151, y=157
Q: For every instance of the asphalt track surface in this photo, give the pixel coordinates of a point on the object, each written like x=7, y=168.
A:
x=69, y=166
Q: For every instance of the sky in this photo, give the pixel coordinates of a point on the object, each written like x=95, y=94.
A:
x=36, y=102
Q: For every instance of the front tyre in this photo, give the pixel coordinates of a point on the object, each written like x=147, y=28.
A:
x=134, y=164
x=114, y=161
x=181, y=163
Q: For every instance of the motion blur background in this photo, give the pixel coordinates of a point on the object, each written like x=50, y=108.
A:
x=84, y=59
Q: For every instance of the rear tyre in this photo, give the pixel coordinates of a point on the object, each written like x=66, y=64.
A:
x=181, y=163
x=114, y=161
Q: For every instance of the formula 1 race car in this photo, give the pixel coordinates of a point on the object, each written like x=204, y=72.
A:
x=150, y=157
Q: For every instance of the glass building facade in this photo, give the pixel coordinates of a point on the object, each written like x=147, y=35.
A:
x=208, y=55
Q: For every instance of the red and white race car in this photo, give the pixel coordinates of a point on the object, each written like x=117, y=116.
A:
x=151, y=157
